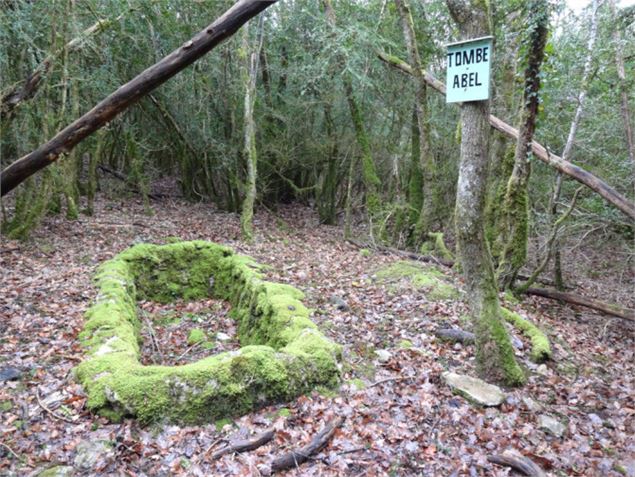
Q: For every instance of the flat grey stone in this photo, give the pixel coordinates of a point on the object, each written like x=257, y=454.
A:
x=10, y=374
x=220, y=336
x=93, y=455
x=339, y=303
x=475, y=389
x=455, y=335
x=531, y=405
x=551, y=425
x=383, y=355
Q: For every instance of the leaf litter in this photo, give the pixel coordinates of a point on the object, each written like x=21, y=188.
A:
x=400, y=417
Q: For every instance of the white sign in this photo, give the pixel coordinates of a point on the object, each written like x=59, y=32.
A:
x=468, y=70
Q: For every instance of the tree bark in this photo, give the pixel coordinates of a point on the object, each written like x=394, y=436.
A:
x=514, y=230
x=494, y=352
x=567, y=168
x=203, y=42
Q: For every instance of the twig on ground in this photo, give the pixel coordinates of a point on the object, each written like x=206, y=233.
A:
x=296, y=458
x=49, y=411
x=245, y=445
x=11, y=451
x=387, y=380
x=187, y=351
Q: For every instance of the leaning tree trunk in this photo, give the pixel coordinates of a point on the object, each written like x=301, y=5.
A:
x=515, y=223
x=250, y=72
x=584, y=177
x=428, y=212
x=494, y=352
x=203, y=42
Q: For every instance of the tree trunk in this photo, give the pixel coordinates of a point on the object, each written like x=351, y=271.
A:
x=621, y=76
x=369, y=173
x=515, y=223
x=428, y=214
x=582, y=176
x=224, y=27
x=586, y=74
x=250, y=73
x=494, y=352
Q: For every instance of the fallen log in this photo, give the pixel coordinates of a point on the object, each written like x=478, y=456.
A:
x=297, y=457
x=613, y=310
x=575, y=172
x=519, y=463
x=245, y=445
x=145, y=82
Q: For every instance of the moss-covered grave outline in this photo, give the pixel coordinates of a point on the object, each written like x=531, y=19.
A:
x=283, y=354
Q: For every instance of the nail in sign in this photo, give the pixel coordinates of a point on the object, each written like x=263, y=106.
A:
x=468, y=66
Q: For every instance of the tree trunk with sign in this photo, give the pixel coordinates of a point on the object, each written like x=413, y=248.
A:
x=494, y=352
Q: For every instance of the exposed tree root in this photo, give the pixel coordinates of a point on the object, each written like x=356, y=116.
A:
x=517, y=462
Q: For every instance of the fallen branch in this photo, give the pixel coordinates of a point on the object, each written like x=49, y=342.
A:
x=584, y=177
x=296, y=458
x=517, y=462
x=123, y=178
x=612, y=310
x=245, y=445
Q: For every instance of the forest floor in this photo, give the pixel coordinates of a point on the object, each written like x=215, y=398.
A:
x=400, y=417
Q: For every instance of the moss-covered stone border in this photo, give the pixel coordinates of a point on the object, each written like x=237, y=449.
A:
x=283, y=354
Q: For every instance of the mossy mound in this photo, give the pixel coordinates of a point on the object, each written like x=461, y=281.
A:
x=420, y=276
x=283, y=353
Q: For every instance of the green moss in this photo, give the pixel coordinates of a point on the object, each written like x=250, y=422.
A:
x=358, y=383
x=196, y=336
x=285, y=354
x=421, y=277
x=365, y=252
x=284, y=412
x=405, y=344
x=540, y=347
x=222, y=423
